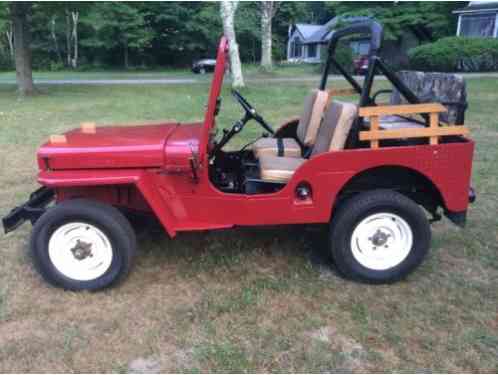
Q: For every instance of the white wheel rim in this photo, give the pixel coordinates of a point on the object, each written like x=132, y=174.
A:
x=381, y=241
x=80, y=251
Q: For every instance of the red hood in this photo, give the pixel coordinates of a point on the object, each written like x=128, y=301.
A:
x=108, y=147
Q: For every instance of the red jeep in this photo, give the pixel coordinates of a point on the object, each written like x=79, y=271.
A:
x=367, y=170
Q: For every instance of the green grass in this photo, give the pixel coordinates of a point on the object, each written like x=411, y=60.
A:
x=251, y=71
x=247, y=300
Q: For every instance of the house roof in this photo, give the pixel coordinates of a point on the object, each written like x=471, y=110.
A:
x=479, y=7
x=322, y=33
x=307, y=30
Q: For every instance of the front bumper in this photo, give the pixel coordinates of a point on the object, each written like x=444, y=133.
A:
x=31, y=210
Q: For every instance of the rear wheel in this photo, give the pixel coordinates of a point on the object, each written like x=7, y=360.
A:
x=379, y=237
x=83, y=245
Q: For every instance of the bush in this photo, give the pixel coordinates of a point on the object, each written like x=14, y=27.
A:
x=455, y=54
x=343, y=56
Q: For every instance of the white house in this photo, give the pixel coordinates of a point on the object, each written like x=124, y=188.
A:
x=478, y=19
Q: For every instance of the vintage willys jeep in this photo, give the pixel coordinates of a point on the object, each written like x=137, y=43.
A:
x=366, y=170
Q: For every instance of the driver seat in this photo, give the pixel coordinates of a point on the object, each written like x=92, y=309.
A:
x=307, y=129
x=332, y=136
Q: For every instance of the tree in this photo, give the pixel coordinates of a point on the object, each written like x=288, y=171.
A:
x=20, y=13
x=117, y=26
x=430, y=20
x=268, y=10
x=227, y=10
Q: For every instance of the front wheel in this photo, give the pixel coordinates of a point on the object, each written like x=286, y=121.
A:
x=82, y=245
x=379, y=237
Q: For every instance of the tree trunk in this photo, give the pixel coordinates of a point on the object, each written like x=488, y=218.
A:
x=54, y=37
x=10, y=39
x=74, y=61
x=20, y=12
x=68, y=37
x=227, y=10
x=268, y=9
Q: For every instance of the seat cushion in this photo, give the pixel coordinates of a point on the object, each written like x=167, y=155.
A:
x=335, y=127
x=310, y=120
x=278, y=169
x=268, y=146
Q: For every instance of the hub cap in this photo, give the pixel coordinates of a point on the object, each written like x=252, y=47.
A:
x=80, y=251
x=381, y=241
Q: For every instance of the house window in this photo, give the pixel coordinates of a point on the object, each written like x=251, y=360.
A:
x=360, y=47
x=296, y=48
x=477, y=25
x=311, y=50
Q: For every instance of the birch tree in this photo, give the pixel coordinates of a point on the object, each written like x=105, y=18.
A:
x=10, y=39
x=227, y=10
x=54, y=38
x=74, y=36
x=268, y=10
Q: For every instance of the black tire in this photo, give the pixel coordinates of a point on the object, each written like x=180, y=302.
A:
x=351, y=213
x=105, y=218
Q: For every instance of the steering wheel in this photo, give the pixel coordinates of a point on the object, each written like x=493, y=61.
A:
x=251, y=112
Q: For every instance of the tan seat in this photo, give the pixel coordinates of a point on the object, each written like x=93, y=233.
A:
x=278, y=169
x=331, y=136
x=307, y=129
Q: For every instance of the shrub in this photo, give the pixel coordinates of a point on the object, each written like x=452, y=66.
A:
x=456, y=54
x=343, y=56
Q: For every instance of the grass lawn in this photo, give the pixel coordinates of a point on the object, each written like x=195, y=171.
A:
x=246, y=299
x=251, y=71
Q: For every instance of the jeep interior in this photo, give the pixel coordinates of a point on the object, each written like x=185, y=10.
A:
x=329, y=125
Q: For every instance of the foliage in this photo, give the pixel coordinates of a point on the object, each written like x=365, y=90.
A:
x=429, y=20
x=456, y=54
x=175, y=33
x=343, y=55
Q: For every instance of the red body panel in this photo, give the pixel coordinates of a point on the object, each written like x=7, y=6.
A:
x=114, y=164
x=182, y=204
x=108, y=147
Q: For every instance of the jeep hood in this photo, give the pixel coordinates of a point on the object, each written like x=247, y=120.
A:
x=107, y=147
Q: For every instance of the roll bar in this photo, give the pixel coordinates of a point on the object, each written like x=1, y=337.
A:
x=360, y=25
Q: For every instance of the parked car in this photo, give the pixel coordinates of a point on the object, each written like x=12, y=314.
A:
x=369, y=173
x=203, y=66
x=360, y=64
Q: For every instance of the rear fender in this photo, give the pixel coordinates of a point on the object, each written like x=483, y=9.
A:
x=143, y=180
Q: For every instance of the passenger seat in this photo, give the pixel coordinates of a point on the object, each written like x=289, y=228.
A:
x=331, y=136
x=314, y=106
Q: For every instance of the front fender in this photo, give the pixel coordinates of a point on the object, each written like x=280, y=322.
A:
x=143, y=180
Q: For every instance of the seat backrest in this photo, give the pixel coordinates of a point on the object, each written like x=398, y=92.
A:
x=314, y=105
x=446, y=88
x=335, y=127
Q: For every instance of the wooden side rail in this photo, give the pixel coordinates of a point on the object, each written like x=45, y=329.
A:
x=375, y=134
x=402, y=109
x=342, y=92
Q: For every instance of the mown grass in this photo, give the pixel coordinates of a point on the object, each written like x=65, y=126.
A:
x=251, y=71
x=246, y=299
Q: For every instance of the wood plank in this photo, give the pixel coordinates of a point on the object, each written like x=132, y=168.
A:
x=374, y=126
x=434, y=123
x=413, y=133
x=342, y=92
x=402, y=109
x=58, y=139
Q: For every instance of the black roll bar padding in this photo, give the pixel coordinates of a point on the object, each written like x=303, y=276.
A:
x=365, y=26
x=362, y=25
